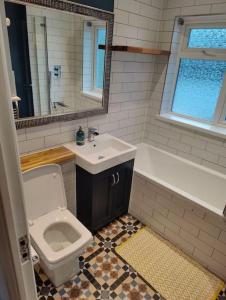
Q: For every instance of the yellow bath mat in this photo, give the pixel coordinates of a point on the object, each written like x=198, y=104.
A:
x=171, y=272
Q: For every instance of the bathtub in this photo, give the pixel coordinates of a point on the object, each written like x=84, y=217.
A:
x=183, y=202
x=199, y=184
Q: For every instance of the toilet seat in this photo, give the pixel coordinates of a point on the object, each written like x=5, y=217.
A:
x=40, y=225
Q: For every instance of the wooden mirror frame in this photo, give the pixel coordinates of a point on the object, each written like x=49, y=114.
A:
x=86, y=11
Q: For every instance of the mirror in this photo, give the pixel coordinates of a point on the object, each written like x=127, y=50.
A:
x=59, y=71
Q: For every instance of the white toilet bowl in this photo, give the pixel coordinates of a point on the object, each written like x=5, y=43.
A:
x=57, y=236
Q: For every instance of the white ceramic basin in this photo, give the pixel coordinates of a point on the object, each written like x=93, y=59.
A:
x=105, y=152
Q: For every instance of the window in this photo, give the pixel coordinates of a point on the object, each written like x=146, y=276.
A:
x=207, y=38
x=100, y=34
x=93, y=59
x=199, y=86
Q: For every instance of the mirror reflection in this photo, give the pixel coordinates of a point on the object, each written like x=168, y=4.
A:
x=57, y=66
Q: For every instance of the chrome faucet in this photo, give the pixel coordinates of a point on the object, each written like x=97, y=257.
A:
x=91, y=133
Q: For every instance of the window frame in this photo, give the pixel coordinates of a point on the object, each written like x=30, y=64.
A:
x=200, y=53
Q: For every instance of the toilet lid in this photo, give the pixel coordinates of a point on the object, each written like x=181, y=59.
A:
x=44, y=190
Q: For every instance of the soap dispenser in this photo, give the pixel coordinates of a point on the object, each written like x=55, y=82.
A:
x=80, y=137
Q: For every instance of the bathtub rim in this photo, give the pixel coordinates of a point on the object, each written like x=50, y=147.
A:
x=163, y=184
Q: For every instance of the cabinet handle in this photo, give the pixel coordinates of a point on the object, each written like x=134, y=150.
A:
x=113, y=182
x=118, y=178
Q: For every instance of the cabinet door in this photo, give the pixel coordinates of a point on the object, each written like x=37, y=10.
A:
x=103, y=197
x=121, y=190
x=101, y=202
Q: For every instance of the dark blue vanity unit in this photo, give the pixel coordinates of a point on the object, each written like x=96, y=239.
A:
x=103, y=197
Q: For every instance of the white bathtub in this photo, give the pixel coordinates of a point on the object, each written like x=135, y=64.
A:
x=183, y=202
x=199, y=184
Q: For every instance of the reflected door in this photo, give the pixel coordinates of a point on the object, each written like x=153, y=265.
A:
x=18, y=41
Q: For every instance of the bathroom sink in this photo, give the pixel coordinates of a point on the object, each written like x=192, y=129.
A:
x=103, y=153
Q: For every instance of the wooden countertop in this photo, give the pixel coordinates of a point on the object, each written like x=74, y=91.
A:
x=55, y=155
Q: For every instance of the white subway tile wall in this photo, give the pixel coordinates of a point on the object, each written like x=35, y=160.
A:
x=131, y=79
x=192, y=145
x=193, y=229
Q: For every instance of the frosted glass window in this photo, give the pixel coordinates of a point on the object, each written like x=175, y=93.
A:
x=100, y=58
x=207, y=38
x=198, y=87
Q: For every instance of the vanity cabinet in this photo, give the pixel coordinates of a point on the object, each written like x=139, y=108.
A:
x=103, y=197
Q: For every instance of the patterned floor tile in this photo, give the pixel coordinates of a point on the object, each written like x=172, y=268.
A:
x=104, y=275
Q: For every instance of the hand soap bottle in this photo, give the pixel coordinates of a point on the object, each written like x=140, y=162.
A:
x=80, y=137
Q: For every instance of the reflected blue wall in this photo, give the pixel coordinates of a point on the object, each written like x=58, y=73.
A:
x=101, y=4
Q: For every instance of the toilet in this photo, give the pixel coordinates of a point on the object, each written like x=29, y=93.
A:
x=56, y=235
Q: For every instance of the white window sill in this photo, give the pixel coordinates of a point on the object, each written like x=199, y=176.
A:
x=218, y=131
x=93, y=95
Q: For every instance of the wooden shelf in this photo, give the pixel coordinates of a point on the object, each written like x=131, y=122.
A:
x=51, y=156
x=131, y=49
